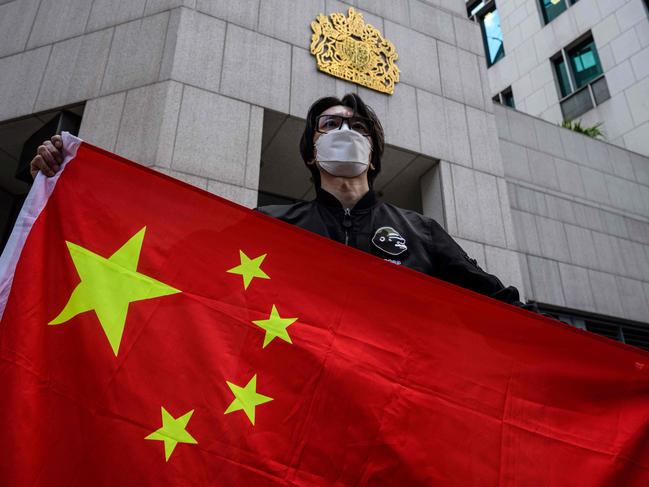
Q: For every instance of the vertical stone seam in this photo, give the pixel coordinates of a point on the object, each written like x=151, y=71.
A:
x=40, y=84
x=85, y=25
x=180, y=107
x=225, y=42
x=31, y=29
x=418, y=121
x=245, y=168
x=121, y=117
x=103, y=72
x=164, y=43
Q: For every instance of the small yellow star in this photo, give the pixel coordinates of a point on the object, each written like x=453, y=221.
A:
x=173, y=432
x=249, y=268
x=246, y=398
x=275, y=326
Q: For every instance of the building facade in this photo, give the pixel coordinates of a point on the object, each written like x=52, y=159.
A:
x=567, y=59
x=215, y=92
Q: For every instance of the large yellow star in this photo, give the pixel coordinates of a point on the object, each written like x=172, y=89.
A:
x=173, y=431
x=275, y=326
x=249, y=268
x=108, y=286
x=246, y=398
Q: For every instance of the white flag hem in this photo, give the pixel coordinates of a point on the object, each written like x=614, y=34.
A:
x=34, y=204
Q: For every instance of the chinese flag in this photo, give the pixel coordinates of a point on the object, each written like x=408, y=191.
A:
x=153, y=334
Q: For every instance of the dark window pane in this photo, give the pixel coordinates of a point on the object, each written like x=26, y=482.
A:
x=578, y=104
x=585, y=63
x=508, y=98
x=552, y=8
x=492, y=36
x=600, y=90
x=562, y=77
x=474, y=8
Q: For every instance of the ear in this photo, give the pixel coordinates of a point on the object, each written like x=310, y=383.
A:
x=372, y=166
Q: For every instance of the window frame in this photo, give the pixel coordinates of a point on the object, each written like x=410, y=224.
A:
x=500, y=97
x=542, y=11
x=478, y=17
x=564, y=55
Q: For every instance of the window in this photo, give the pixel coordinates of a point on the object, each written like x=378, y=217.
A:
x=551, y=9
x=625, y=331
x=486, y=14
x=505, y=97
x=580, y=80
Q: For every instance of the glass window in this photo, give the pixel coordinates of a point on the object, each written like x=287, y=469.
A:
x=508, y=98
x=584, y=63
x=562, y=77
x=492, y=36
x=552, y=8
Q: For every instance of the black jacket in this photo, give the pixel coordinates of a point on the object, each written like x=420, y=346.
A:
x=401, y=236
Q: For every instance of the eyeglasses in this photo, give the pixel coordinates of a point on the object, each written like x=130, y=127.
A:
x=329, y=123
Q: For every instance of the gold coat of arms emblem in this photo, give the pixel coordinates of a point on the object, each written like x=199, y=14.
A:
x=348, y=48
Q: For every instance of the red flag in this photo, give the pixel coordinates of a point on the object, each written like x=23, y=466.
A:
x=154, y=334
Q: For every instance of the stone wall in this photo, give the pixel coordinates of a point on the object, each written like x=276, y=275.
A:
x=581, y=217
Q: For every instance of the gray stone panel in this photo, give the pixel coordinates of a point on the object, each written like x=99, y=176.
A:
x=531, y=201
x=569, y=175
x=196, y=50
x=637, y=230
x=101, y=118
x=527, y=234
x=619, y=161
x=467, y=207
x=242, y=12
x=634, y=259
x=470, y=78
x=136, y=53
x=256, y=68
x=506, y=210
x=449, y=66
x=609, y=257
x=394, y=10
x=640, y=168
x=468, y=35
x=57, y=20
x=484, y=141
x=634, y=302
x=74, y=70
x=458, y=133
x=106, y=13
x=502, y=122
x=598, y=155
x=522, y=129
x=589, y=217
x=581, y=246
x=243, y=196
x=560, y=209
x=576, y=287
x=490, y=213
x=433, y=125
x=595, y=185
x=307, y=83
x=289, y=20
x=621, y=193
x=515, y=162
x=549, y=138
x=542, y=168
x=148, y=125
x=417, y=57
x=212, y=138
x=401, y=124
x=574, y=146
x=545, y=281
x=432, y=21
x=20, y=79
x=16, y=19
x=474, y=250
x=552, y=235
x=606, y=293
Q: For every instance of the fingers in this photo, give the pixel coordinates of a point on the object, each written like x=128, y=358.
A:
x=39, y=164
x=56, y=153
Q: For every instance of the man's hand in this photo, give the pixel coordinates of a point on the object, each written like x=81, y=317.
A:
x=49, y=157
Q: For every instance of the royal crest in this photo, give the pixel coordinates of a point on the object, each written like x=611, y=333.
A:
x=348, y=48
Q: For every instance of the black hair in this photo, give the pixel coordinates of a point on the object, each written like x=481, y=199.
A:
x=353, y=101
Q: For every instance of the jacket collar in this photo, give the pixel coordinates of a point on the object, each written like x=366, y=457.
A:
x=325, y=198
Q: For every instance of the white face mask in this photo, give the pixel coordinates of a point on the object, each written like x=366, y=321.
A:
x=343, y=152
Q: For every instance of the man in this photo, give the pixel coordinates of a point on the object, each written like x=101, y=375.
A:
x=342, y=145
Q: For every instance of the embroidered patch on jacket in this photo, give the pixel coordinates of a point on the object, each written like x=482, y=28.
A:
x=388, y=240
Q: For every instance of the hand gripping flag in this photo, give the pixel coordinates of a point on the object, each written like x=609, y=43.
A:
x=153, y=334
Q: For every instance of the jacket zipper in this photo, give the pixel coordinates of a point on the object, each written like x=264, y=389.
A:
x=347, y=223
